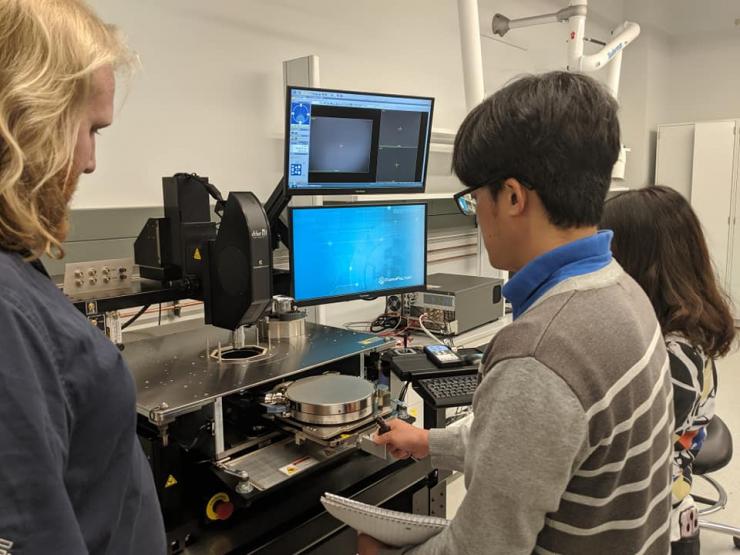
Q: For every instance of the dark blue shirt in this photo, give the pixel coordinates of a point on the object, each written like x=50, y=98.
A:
x=547, y=270
x=73, y=476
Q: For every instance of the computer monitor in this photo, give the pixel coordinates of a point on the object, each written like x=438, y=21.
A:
x=339, y=142
x=340, y=253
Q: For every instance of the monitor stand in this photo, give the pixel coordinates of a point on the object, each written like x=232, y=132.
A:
x=274, y=208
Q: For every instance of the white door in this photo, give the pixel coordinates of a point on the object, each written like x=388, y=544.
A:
x=674, y=157
x=711, y=186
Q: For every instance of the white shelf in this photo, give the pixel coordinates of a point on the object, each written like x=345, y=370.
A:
x=436, y=147
x=443, y=136
x=387, y=197
x=401, y=196
x=442, y=140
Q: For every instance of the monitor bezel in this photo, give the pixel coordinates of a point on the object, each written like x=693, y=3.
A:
x=355, y=190
x=364, y=296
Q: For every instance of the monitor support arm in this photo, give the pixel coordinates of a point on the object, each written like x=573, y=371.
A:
x=274, y=207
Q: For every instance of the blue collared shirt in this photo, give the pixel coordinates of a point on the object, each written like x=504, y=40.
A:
x=547, y=270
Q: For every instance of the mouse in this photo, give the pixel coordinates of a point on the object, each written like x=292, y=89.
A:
x=473, y=358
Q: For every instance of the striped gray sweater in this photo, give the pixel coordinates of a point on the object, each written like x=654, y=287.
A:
x=569, y=449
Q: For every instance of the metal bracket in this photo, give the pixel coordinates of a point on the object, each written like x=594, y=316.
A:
x=438, y=499
x=369, y=446
x=218, y=427
x=420, y=502
x=244, y=486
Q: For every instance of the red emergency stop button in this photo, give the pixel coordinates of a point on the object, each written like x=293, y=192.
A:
x=224, y=509
x=219, y=507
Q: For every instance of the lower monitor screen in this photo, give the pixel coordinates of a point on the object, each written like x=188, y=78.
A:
x=341, y=253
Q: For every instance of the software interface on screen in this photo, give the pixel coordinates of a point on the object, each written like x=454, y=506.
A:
x=350, y=141
x=358, y=250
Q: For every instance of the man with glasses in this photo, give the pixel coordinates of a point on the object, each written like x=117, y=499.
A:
x=568, y=449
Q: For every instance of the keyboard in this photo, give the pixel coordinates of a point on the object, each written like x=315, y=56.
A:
x=449, y=391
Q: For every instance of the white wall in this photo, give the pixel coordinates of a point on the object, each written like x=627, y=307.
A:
x=686, y=69
x=209, y=95
x=704, y=78
x=642, y=96
x=687, y=79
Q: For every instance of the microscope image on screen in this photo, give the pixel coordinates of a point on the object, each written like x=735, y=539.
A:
x=398, y=151
x=340, y=145
x=343, y=144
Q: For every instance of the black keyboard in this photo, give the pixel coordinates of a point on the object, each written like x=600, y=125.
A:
x=449, y=391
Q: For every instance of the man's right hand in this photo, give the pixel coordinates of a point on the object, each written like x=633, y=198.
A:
x=404, y=440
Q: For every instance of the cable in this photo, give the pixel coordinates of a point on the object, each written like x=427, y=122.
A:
x=394, y=331
x=394, y=328
x=198, y=435
x=459, y=414
x=384, y=322
x=135, y=317
x=352, y=325
x=402, y=394
x=212, y=190
x=430, y=334
x=167, y=308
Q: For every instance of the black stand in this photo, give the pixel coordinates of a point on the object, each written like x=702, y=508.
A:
x=279, y=232
x=274, y=207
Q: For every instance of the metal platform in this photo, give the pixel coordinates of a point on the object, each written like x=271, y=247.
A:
x=281, y=461
x=174, y=374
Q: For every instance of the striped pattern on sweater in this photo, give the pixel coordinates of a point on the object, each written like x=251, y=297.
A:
x=600, y=335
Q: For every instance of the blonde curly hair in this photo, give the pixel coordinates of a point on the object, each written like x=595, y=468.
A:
x=49, y=50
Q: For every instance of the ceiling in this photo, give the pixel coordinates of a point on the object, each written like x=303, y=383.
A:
x=686, y=17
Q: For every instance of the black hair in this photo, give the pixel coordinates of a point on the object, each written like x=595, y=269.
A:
x=658, y=240
x=558, y=133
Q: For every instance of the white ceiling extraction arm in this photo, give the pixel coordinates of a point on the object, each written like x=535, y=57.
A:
x=610, y=55
x=575, y=15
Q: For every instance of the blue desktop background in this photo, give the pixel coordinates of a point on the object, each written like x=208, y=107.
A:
x=357, y=250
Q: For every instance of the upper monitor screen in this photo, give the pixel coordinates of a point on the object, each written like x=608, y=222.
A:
x=353, y=252
x=346, y=142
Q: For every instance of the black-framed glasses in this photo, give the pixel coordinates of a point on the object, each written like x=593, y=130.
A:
x=467, y=203
x=465, y=200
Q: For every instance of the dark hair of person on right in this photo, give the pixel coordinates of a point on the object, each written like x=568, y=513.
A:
x=658, y=240
x=556, y=133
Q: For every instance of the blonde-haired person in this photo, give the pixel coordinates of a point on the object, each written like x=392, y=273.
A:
x=73, y=477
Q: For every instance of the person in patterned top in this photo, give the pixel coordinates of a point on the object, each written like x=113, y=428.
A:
x=658, y=240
